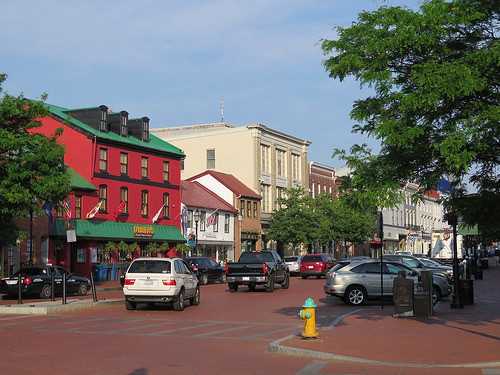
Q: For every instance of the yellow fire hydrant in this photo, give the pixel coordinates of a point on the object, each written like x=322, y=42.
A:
x=308, y=314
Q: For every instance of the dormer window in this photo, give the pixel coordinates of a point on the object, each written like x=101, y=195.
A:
x=103, y=123
x=123, y=126
x=145, y=129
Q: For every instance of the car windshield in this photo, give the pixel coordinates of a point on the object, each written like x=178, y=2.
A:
x=31, y=272
x=203, y=262
x=430, y=263
x=339, y=266
x=291, y=259
x=259, y=257
x=312, y=258
x=149, y=266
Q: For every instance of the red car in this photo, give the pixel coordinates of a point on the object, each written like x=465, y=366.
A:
x=315, y=265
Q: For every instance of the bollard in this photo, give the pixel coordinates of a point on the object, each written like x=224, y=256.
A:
x=52, y=285
x=64, y=288
x=308, y=314
x=92, y=286
x=19, y=289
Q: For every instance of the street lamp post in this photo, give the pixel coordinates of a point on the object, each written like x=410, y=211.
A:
x=456, y=303
x=196, y=220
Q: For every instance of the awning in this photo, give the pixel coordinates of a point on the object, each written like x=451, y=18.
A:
x=111, y=230
x=78, y=182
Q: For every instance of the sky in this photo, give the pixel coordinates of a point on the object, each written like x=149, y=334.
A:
x=174, y=61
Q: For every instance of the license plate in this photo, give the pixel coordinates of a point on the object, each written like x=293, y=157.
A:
x=245, y=278
x=148, y=282
x=310, y=267
x=11, y=282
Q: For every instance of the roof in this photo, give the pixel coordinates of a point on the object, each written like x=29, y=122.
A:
x=113, y=230
x=78, y=182
x=231, y=182
x=195, y=194
x=154, y=142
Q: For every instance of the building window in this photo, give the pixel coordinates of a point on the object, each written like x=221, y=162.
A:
x=249, y=209
x=166, y=205
x=203, y=220
x=144, y=167
x=295, y=167
x=254, y=210
x=123, y=126
x=103, y=159
x=166, y=171
x=211, y=158
x=280, y=163
x=190, y=218
x=145, y=130
x=264, y=159
x=182, y=164
x=123, y=163
x=59, y=210
x=124, y=199
x=242, y=208
x=216, y=222
x=265, y=197
x=103, y=123
x=226, y=223
x=280, y=194
x=103, y=197
x=78, y=206
x=144, y=203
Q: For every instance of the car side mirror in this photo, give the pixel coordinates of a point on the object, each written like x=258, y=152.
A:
x=122, y=280
x=414, y=273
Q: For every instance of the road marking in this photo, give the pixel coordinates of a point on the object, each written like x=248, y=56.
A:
x=268, y=333
x=161, y=333
x=312, y=368
x=214, y=333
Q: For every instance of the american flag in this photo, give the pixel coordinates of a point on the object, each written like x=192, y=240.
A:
x=67, y=208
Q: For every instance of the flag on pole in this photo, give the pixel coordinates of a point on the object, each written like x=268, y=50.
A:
x=157, y=216
x=184, y=220
x=48, y=207
x=212, y=218
x=120, y=208
x=94, y=211
x=67, y=208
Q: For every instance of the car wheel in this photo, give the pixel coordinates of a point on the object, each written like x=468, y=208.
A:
x=179, y=301
x=222, y=278
x=46, y=292
x=130, y=305
x=355, y=295
x=83, y=290
x=436, y=295
x=195, y=300
x=270, y=284
x=318, y=276
x=286, y=283
x=204, y=279
x=233, y=287
x=304, y=277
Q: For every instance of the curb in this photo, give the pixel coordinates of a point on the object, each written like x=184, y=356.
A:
x=110, y=289
x=276, y=347
x=48, y=309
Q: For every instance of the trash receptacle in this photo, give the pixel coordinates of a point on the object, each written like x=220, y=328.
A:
x=466, y=291
x=484, y=263
x=422, y=305
x=478, y=275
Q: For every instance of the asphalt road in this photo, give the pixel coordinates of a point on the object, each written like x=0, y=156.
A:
x=228, y=333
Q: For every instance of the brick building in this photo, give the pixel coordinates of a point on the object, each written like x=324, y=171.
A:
x=322, y=179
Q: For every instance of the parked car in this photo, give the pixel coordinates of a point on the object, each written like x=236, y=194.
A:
x=293, y=264
x=315, y=265
x=420, y=264
x=357, y=282
x=206, y=269
x=160, y=280
x=258, y=268
x=36, y=282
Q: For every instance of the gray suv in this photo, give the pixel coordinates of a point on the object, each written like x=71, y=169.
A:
x=359, y=281
x=421, y=264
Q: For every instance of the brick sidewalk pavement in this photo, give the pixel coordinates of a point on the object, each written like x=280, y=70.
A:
x=450, y=338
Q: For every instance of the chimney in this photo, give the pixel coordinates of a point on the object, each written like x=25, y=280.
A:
x=117, y=123
x=96, y=117
x=139, y=128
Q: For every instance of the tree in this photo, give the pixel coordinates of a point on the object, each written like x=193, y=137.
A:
x=435, y=110
x=295, y=222
x=32, y=166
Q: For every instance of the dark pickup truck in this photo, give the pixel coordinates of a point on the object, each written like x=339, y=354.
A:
x=258, y=268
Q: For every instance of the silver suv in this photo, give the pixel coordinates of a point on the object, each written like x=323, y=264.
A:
x=359, y=281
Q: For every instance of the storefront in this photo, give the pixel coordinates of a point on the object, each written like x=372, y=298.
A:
x=106, y=247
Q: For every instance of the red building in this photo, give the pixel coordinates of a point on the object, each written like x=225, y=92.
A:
x=127, y=176
x=322, y=179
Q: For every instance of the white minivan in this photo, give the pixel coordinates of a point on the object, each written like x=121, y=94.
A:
x=160, y=280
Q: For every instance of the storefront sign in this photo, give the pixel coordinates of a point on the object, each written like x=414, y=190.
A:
x=143, y=231
x=71, y=235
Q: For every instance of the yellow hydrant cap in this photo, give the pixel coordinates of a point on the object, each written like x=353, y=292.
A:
x=309, y=303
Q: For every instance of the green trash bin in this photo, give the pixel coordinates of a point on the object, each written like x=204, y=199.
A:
x=466, y=291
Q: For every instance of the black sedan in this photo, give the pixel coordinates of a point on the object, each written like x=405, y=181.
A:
x=36, y=281
x=206, y=269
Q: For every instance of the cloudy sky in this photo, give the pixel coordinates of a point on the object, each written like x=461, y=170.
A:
x=174, y=60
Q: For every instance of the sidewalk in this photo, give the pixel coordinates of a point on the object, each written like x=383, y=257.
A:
x=468, y=337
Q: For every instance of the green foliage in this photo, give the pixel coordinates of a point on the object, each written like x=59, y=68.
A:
x=183, y=248
x=109, y=247
x=303, y=219
x=31, y=165
x=152, y=248
x=435, y=110
x=132, y=247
